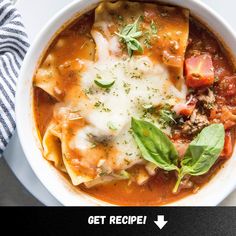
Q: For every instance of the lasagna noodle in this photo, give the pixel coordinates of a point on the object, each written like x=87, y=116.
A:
x=58, y=74
x=77, y=173
x=47, y=77
x=55, y=150
x=52, y=146
x=55, y=143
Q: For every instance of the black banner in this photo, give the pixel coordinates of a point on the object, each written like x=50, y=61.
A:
x=120, y=221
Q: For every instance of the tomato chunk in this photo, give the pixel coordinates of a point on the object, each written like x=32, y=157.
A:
x=185, y=109
x=199, y=71
x=228, y=118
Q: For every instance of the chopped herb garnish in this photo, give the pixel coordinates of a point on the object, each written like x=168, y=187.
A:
x=190, y=90
x=142, y=18
x=103, y=173
x=122, y=175
x=102, y=107
x=106, y=109
x=216, y=79
x=88, y=91
x=153, y=27
x=147, y=43
x=126, y=87
x=97, y=104
x=93, y=145
x=121, y=18
x=129, y=35
x=167, y=117
x=111, y=126
x=102, y=83
x=147, y=106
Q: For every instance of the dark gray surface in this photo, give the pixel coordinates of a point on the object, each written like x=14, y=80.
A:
x=12, y=192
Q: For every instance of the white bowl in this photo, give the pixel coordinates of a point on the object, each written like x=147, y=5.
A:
x=210, y=195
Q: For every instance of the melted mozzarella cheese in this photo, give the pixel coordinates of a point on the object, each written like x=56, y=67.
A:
x=138, y=83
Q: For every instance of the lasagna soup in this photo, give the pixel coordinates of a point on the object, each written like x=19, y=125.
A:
x=135, y=103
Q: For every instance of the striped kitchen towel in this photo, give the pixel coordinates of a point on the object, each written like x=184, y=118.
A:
x=13, y=47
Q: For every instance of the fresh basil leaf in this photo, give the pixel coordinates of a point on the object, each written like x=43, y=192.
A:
x=130, y=52
x=136, y=34
x=129, y=35
x=136, y=44
x=126, y=30
x=134, y=27
x=132, y=46
x=202, y=152
x=104, y=83
x=154, y=145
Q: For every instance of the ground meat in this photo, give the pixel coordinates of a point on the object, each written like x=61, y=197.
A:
x=195, y=124
x=207, y=99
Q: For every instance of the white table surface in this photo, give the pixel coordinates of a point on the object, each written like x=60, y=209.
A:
x=35, y=14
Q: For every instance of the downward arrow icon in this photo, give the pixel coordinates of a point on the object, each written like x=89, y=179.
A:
x=160, y=222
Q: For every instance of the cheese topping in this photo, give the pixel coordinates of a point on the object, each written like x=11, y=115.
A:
x=138, y=84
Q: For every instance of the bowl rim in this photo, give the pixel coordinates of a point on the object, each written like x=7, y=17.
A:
x=40, y=38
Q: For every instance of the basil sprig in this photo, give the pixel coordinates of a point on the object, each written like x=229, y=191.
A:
x=129, y=35
x=153, y=27
x=202, y=152
x=157, y=148
x=154, y=145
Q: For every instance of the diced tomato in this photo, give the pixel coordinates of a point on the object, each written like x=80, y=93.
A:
x=228, y=124
x=185, y=109
x=213, y=114
x=199, y=71
x=228, y=118
x=228, y=147
x=188, y=110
